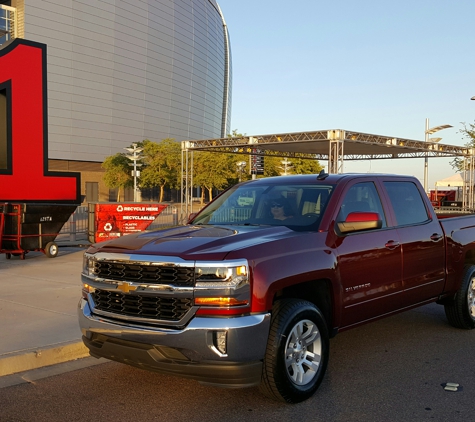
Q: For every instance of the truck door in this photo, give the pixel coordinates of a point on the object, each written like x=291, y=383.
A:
x=422, y=240
x=369, y=262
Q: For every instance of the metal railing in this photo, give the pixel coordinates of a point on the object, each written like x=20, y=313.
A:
x=231, y=215
x=77, y=227
x=167, y=218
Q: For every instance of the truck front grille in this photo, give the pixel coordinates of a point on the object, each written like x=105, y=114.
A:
x=142, y=306
x=145, y=273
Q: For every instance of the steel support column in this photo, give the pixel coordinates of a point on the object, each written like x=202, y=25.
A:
x=335, y=156
x=186, y=200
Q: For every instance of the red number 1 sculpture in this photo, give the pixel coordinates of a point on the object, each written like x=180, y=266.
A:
x=26, y=177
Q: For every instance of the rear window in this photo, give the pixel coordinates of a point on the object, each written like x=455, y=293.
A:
x=407, y=203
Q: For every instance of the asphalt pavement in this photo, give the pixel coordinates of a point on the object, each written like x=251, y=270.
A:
x=394, y=369
x=38, y=302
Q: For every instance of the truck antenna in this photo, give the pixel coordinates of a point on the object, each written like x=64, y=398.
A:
x=322, y=175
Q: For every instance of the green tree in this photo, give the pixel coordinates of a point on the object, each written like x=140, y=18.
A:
x=117, y=173
x=468, y=133
x=306, y=166
x=162, y=164
x=235, y=134
x=273, y=166
x=217, y=170
x=213, y=171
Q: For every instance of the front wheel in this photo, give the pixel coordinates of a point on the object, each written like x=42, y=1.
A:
x=51, y=250
x=460, y=311
x=297, y=351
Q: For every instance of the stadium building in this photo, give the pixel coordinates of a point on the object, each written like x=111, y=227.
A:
x=120, y=72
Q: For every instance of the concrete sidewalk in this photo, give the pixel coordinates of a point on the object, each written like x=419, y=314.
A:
x=38, y=302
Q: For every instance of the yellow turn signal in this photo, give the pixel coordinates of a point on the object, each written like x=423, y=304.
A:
x=219, y=301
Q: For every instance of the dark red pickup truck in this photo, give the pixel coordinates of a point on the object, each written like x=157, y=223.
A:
x=251, y=290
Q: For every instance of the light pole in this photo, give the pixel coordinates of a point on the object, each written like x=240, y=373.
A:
x=134, y=157
x=428, y=132
x=240, y=165
x=470, y=177
x=286, y=166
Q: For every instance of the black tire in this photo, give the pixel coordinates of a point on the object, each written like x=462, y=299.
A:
x=460, y=311
x=51, y=250
x=297, y=351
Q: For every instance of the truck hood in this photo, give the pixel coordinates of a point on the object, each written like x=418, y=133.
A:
x=194, y=242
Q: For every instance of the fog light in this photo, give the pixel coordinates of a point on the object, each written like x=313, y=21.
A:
x=220, y=341
x=86, y=289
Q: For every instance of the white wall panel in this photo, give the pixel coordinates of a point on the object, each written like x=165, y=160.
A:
x=121, y=71
x=58, y=145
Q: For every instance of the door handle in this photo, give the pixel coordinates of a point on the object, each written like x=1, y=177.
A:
x=436, y=237
x=391, y=244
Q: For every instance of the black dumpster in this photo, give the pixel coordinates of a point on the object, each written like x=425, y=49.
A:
x=32, y=227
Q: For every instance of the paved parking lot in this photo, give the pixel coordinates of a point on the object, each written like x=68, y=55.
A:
x=394, y=369
x=38, y=303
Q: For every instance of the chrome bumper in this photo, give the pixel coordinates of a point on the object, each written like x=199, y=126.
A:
x=196, y=351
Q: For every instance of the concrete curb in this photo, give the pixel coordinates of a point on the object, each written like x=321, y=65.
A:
x=26, y=360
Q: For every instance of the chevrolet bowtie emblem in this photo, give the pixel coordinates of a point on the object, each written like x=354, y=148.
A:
x=126, y=287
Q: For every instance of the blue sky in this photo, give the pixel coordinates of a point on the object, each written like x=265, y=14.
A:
x=372, y=66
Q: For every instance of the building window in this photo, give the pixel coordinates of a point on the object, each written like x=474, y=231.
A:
x=113, y=194
x=129, y=194
x=8, y=23
x=92, y=192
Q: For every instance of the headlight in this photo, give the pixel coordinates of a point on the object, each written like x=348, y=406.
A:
x=88, y=271
x=221, y=276
x=222, y=284
x=88, y=265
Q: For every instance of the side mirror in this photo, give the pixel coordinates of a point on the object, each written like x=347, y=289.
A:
x=191, y=217
x=359, y=221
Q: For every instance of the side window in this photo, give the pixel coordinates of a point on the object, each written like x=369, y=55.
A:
x=361, y=197
x=407, y=203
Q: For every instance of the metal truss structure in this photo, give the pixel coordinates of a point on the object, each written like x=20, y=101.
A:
x=334, y=146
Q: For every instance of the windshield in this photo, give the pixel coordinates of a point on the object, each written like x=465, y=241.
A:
x=299, y=205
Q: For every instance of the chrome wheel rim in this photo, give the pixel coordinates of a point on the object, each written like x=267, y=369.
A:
x=303, y=352
x=53, y=250
x=471, y=298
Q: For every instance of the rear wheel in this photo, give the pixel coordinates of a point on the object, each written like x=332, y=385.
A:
x=460, y=311
x=51, y=250
x=297, y=351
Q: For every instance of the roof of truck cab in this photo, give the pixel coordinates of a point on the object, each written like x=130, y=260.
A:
x=328, y=178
